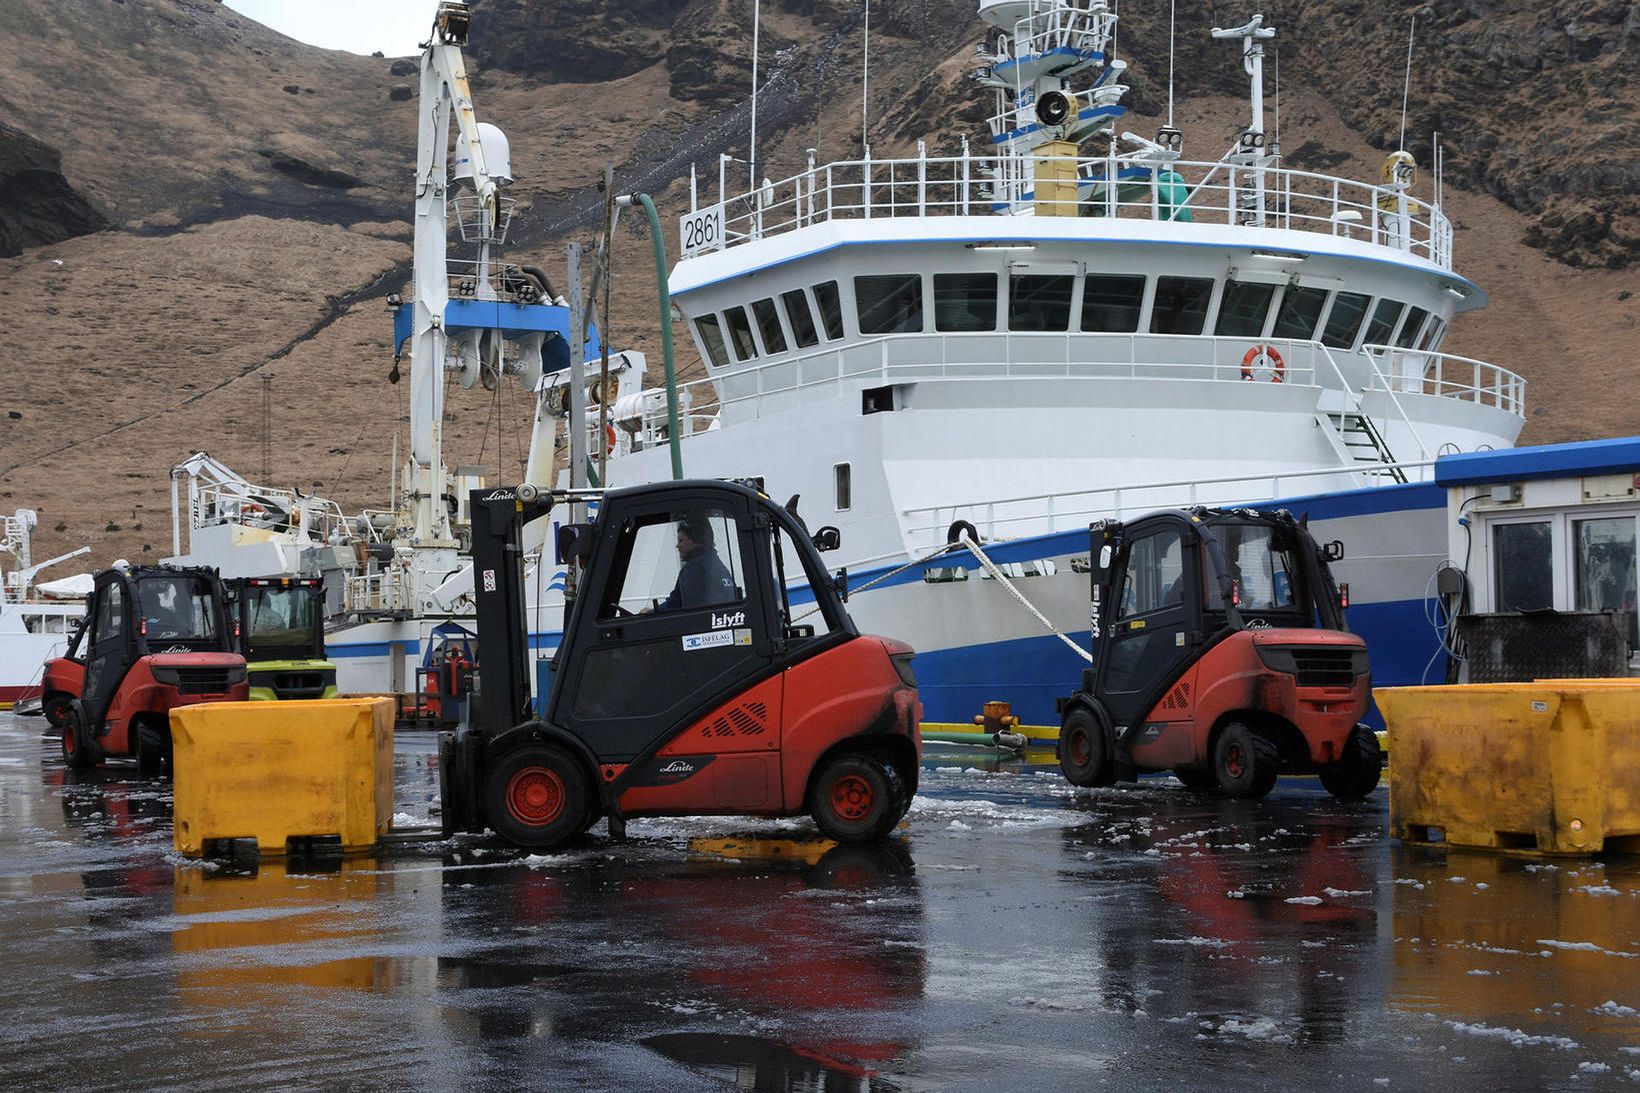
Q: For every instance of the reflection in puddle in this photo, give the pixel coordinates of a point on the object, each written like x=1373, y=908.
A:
x=755, y=1063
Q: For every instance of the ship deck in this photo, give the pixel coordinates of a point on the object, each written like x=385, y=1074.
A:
x=1020, y=935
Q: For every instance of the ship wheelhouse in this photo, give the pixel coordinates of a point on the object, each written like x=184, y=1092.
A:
x=1010, y=338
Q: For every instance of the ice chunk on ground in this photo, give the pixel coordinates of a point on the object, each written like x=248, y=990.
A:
x=1612, y=1009
x=1311, y=900
x=1514, y=1036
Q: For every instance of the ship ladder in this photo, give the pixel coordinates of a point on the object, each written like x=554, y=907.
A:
x=1360, y=442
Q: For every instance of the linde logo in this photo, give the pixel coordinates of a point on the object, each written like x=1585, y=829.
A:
x=726, y=619
x=499, y=495
x=678, y=766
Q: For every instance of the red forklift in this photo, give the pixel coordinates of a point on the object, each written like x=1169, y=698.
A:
x=1220, y=653
x=157, y=637
x=691, y=678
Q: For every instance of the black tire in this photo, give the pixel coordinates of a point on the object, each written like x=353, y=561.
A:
x=1197, y=777
x=1084, y=749
x=56, y=709
x=1357, y=773
x=536, y=796
x=1245, y=763
x=150, y=751
x=858, y=798
x=78, y=752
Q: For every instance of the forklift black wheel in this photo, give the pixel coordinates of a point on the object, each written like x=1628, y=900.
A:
x=1357, y=773
x=536, y=796
x=1084, y=753
x=1245, y=763
x=858, y=798
x=55, y=710
x=150, y=751
x=77, y=753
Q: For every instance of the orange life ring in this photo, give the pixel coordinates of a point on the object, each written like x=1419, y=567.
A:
x=609, y=438
x=1278, y=367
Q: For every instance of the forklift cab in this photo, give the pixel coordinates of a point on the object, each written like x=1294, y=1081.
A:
x=1172, y=582
x=280, y=625
x=687, y=599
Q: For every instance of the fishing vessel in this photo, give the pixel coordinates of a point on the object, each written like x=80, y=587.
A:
x=959, y=361
x=36, y=620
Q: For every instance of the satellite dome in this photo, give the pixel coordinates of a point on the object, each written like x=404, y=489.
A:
x=497, y=156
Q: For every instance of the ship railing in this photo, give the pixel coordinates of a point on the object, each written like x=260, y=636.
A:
x=270, y=509
x=1063, y=26
x=1376, y=381
x=751, y=391
x=472, y=280
x=377, y=593
x=1447, y=375
x=1223, y=192
x=1017, y=517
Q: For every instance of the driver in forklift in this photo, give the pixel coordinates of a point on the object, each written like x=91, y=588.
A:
x=704, y=579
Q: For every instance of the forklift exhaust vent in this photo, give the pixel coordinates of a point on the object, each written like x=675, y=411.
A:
x=751, y=719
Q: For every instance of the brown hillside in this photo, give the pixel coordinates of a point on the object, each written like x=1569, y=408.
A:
x=253, y=229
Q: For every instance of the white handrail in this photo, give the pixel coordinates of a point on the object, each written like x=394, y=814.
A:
x=1506, y=392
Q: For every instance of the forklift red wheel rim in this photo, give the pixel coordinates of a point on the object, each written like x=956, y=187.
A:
x=535, y=796
x=1079, y=748
x=70, y=743
x=1235, y=763
x=852, y=797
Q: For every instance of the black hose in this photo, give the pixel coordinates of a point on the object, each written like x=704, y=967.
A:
x=541, y=276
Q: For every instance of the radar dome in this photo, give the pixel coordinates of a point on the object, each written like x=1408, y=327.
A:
x=497, y=156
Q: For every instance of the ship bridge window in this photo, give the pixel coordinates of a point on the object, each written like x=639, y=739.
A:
x=889, y=303
x=1111, y=303
x=1432, y=336
x=1410, y=328
x=1243, y=310
x=1181, y=305
x=801, y=318
x=1300, y=309
x=740, y=333
x=1039, y=303
x=710, y=333
x=768, y=324
x=1384, y=317
x=1344, y=321
x=830, y=302
x=965, y=301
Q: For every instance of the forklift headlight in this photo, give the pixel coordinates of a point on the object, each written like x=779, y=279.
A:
x=168, y=676
x=1278, y=659
x=236, y=675
x=902, y=665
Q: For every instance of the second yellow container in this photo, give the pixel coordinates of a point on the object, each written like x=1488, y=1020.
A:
x=274, y=771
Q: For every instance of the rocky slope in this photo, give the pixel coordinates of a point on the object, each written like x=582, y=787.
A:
x=194, y=202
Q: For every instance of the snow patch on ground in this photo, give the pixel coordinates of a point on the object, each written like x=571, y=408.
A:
x=1264, y=1029
x=1514, y=1036
x=1612, y=1009
x=1583, y=947
x=1046, y=1004
x=1598, y=889
x=404, y=819
x=1594, y=1068
x=1339, y=893
x=1311, y=900
x=1206, y=942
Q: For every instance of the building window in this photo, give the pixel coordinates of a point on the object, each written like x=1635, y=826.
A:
x=1410, y=328
x=1180, y=306
x=1111, y=303
x=827, y=298
x=1523, y=570
x=889, y=304
x=1344, y=321
x=1605, y=568
x=1039, y=303
x=1384, y=317
x=1243, y=310
x=801, y=318
x=740, y=333
x=711, y=339
x=842, y=477
x=1300, y=309
x=768, y=324
x=965, y=302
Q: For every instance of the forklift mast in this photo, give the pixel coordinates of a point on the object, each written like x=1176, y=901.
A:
x=498, y=518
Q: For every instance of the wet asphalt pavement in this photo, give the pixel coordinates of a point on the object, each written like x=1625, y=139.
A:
x=1019, y=935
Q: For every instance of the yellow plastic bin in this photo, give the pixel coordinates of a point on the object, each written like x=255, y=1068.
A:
x=1551, y=767
x=274, y=771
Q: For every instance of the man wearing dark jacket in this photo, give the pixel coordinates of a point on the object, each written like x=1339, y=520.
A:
x=704, y=579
